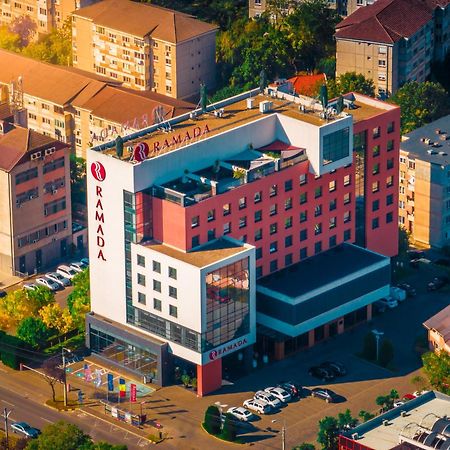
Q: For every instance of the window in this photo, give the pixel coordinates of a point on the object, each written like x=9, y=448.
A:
x=273, y=265
x=243, y=222
x=172, y=273
x=303, y=235
x=258, y=272
x=390, y=145
x=258, y=234
x=173, y=292
x=303, y=179
x=288, y=259
x=273, y=228
x=157, y=285
x=22, y=177
x=375, y=186
x=390, y=163
x=376, y=132
x=332, y=223
x=156, y=267
x=303, y=253
x=303, y=216
x=54, y=207
x=273, y=190
x=211, y=234
x=303, y=198
x=332, y=186
x=195, y=240
x=390, y=181
x=173, y=311
x=389, y=217
x=347, y=198
x=273, y=210
x=332, y=241
x=336, y=145
x=53, y=165
x=288, y=241
x=376, y=150
x=391, y=127
x=227, y=228
x=141, y=298
x=195, y=222
x=317, y=210
x=258, y=253
x=273, y=247
x=317, y=229
x=242, y=202
x=258, y=216
x=347, y=235
x=375, y=223
x=389, y=199
x=211, y=215
x=333, y=205
x=141, y=279
x=258, y=197
x=317, y=247
x=226, y=209
x=347, y=216
x=288, y=185
x=347, y=180
x=375, y=205
x=288, y=222
x=318, y=192
x=141, y=260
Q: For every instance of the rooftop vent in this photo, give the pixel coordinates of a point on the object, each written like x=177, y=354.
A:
x=265, y=106
x=250, y=103
x=436, y=144
x=219, y=112
x=438, y=131
x=428, y=141
x=403, y=413
x=431, y=152
x=385, y=422
x=355, y=436
x=193, y=115
x=443, y=137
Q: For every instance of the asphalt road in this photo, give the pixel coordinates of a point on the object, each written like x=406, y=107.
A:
x=38, y=415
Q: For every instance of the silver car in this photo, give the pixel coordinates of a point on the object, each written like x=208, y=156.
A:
x=268, y=398
x=279, y=393
x=66, y=271
x=29, y=287
x=50, y=284
x=58, y=278
x=77, y=266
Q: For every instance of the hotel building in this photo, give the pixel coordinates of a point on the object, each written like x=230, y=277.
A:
x=232, y=229
x=145, y=47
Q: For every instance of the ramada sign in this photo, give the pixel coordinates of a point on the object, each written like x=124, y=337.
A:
x=99, y=173
x=222, y=351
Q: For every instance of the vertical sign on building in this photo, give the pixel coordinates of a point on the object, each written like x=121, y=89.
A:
x=122, y=388
x=98, y=171
x=133, y=392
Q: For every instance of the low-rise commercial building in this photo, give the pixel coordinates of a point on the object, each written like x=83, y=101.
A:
x=424, y=198
x=145, y=47
x=438, y=328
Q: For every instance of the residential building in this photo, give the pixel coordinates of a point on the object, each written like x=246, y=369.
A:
x=308, y=85
x=390, y=42
x=35, y=205
x=421, y=423
x=192, y=222
x=76, y=107
x=424, y=198
x=438, y=328
x=257, y=7
x=145, y=47
x=353, y=5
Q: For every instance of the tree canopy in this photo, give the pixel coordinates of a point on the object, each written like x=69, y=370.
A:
x=436, y=366
x=350, y=82
x=33, y=331
x=79, y=302
x=328, y=433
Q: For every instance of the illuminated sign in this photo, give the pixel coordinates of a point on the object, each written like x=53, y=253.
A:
x=180, y=138
x=140, y=152
x=221, y=351
x=99, y=173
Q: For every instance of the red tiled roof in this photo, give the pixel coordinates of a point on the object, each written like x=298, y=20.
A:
x=386, y=21
x=306, y=84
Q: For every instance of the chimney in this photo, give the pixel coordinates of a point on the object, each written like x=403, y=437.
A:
x=21, y=117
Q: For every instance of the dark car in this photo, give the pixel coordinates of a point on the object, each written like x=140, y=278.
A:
x=442, y=262
x=294, y=389
x=324, y=394
x=437, y=283
x=3, y=293
x=336, y=368
x=410, y=291
x=321, y=373
x=416, y=254
x=25, y=429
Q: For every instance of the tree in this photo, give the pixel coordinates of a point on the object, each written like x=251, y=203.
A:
x=54, y=317
x=78, y=179
x=370, y=347
x=229, y=428
x=403, y=242
x=387, y=401
x=420, y=103
x=346, y=420
x=24, y=27
x=53, y=374
x=386, y=352
x=78, y=302
x=365, y=415
x=304, y=446
x=436, y=366
x=13, y=350
x=350, y=82
x=419, y=382
x=328, y=433
x=212, y=422
x=33, y=331
x=9, y=40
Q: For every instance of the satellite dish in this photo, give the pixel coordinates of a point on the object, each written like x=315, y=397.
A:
x=140, y=152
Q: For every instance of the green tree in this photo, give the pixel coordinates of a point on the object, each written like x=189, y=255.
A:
x=78, y=301
x=369, y=347
x=328, y=433
x=78, y=179
x=13, y=350
x=386, y=402
x=346, y=420
x=386, y=352
x=403, y=242
x=33, y=331
x=419, y=382
x=106, y=446
x=350, y=82
x=436, y=366
x=229, y=428
x=212, y=422
x=365, y=415
x=421, y=103
x=304, y=446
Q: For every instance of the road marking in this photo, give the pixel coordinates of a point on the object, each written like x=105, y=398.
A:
x=47, y=420
x=9, y=403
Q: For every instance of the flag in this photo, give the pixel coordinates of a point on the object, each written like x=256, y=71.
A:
x=87, y=373
x=110, y=382
x=122, y=388
x=98, y=377
x=132, y=393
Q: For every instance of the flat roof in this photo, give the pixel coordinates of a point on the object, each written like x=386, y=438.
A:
x=320, y=270
x=413, y=144
x=375, y=435
x=201, y=256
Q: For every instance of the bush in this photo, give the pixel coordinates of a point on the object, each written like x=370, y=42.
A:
x=12, y=350
x=370, y=347
x=212, y=421
x=229, y=428
x=386, y=353
x=33, y=331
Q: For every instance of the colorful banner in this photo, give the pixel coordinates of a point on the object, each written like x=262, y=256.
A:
x=87, y=373
x=98, y=377
x=133, y=392
x=122, y=388
x=110, y=382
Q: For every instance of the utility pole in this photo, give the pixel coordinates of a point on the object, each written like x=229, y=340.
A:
x=378, y=335
x=64, y=370
x=6, y=414
x=283, y=436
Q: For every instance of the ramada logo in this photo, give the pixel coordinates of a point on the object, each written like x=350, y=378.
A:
x=98, y=171
x=214, y=354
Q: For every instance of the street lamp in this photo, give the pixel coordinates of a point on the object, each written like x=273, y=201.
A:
x=378, y=335
x=6, y=414
x=63, y=349
x=283, y=433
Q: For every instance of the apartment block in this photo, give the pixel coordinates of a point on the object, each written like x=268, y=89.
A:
x=145, y=47
x=35, y=205
x=424, y=200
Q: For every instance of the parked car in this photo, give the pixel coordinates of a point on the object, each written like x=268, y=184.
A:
x=415, y=254
x=25, y=429
x=336, y=368
x=410, y=291
x=78, y=266
x=279, y=393
x=418, y=393
x=29, y=287
x=240, y=413
x=321, y=373
x=442, y=262
x=437, y=283
x=66, y=271
x=58, y=278
x=325, y=394
x=85, y=261
x=52, y=285
x=397, y=293
x=294, y=389
x=268, y=398
x=258, y=406
x=3, y=293
x=388, y=302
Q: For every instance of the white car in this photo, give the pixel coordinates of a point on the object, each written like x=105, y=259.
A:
x=52, y=285
x=419, y=393
x=268, y=398
x=29, y=287
x=398, y=403
x=257, y=405
x=388, y=302
x=77, y=266
x=66, y=271
x=279, y=393
x=240, y=413
x=398, y=293
x=58, y=278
